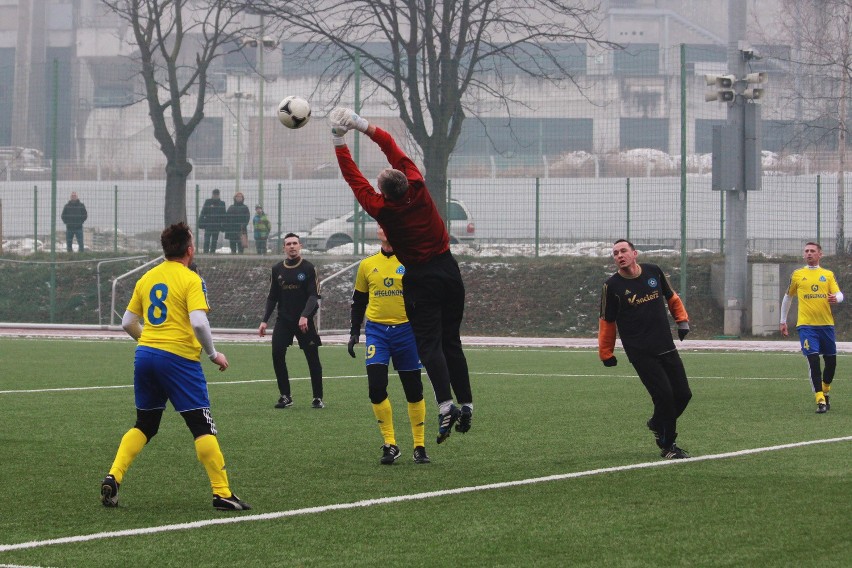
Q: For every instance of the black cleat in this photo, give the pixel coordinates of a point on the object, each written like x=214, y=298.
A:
x=420, y=455
x=466, y=417
x=446, y=421
x=674, y=453
x=390, y=453
x=109, y=491
x=284, y=402
x=231, y=503
x=822, y=408
x=317, y=403
x=827, y=404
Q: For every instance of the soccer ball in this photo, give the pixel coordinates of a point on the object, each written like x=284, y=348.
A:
x=294, y=112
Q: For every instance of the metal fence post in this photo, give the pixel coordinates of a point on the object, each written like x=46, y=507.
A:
x=115, y=221
x=628, y=209
x=537, y=215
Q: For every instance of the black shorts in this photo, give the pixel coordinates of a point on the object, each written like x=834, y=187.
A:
x=288, y=330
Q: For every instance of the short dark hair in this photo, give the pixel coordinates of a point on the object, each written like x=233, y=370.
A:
x=288, y=235
x=216, y=192
x=624, y=241
x=393, y=184
x=816, y=244
x=176, y=240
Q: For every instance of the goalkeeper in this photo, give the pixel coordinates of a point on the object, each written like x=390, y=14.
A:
x=433, y=289
x=635, y=301
x=378, y=295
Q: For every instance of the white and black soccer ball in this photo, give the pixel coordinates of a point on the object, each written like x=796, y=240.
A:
x=294, y=112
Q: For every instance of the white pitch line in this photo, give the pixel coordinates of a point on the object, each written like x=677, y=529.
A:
x=403, y=498
x=541, y=375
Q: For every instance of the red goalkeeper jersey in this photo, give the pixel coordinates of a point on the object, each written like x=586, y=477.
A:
x=412, y=224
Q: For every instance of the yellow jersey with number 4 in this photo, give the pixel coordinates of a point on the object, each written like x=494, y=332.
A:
x=163, y=298
x=812, y=287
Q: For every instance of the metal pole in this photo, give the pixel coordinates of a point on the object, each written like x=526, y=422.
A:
x=280, y=239
x=260, y=46
x=722, y=222
x=35, y=218
x=115, y=223
x=628, y=210
x=53, y=176
x=537, y=215
x=239, y=95
x=358, y=229
x=683, y=264
x=818, y=200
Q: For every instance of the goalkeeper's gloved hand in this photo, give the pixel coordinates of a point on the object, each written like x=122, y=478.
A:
x=353, y=339
x=611, y=362
x=682, y=329
x=337, y=133
x=346, y=117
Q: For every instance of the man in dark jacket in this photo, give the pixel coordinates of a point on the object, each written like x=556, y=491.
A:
x=74, y=214
x=212, y=220
x=237, y=218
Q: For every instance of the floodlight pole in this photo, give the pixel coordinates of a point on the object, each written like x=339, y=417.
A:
x=736, y=202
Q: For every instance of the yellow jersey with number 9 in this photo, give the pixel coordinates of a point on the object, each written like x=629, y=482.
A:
x=380, y=277
x=163, y=298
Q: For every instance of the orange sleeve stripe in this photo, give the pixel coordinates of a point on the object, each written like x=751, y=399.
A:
x=677, y=309
x=606, y=339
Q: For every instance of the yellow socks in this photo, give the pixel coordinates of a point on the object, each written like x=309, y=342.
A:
x=384, y=416
x=131, y=444
x=417, y=416
x=210, y=456
x=820, y=397
x=826, y=387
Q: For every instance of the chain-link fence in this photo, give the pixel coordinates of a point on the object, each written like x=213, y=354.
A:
x=566, y=171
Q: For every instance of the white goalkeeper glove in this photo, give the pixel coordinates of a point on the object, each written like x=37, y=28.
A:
x=346, y=117
x=338, y=131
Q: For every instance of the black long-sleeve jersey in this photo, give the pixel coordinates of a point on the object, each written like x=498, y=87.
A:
x=294, y=289
x=638, y=306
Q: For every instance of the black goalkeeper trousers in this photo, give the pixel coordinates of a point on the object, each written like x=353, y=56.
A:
x=665, y=380
x=434, y=302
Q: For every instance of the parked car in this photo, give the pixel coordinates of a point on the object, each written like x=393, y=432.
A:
x=340, y=230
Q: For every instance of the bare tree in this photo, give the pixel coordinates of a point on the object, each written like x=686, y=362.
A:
x=821, y=64
x=177, y=41
x=440, y=61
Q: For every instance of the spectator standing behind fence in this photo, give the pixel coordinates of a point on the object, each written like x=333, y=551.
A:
x=237, y=220
x=74, y=214
x=262, y=226
x=212, y=221
x=816, y=289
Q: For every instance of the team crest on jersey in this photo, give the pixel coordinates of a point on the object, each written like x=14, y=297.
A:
x=822, y=279
x=301, y=276
x=388, y=282
x=652, y=282
x=400, y=269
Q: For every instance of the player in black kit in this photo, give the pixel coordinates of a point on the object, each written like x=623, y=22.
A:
x=294, y=289
x=635, y=300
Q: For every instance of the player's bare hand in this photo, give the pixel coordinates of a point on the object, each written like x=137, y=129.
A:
x=221, y=360
x=261, y=331
x=303, y=324
x=783, y=328
x=832, y=298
